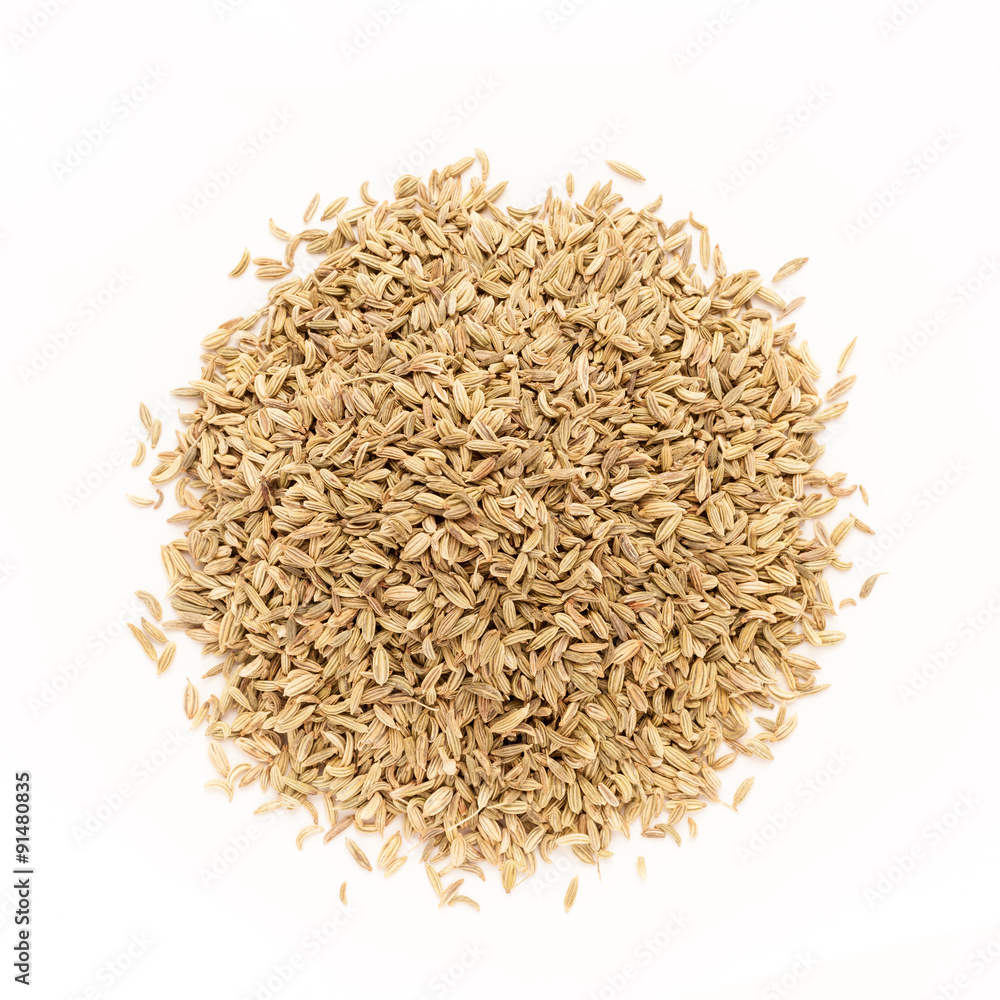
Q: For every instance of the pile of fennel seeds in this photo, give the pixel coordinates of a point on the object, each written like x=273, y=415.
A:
x=494, y=521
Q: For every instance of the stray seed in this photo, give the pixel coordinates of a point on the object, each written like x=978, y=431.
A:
x=467, y=900
x=640, y=867
x=789, y=268
x=358, y=854
x=242, y=265
x=311, y=208
x=846, y=356
x=306, y=831
x=570, y=898
x=625, y=169
x=140, y=453
x=152, y=631
x=140, y=501
x=166, y=657
x=869, y=584
x=151, y=603
x=343, y=888
x=147, y=646
x=145, y=416
x=742, y=792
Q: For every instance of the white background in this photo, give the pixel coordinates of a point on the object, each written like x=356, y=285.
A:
x=121, y=904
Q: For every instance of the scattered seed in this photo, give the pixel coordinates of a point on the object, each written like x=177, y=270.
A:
x=151, y=603
x=789, y=268
x=358, y=854
x=625, y=169
x=140, y=637
x=343, y=885
x=742, y=792
x=846, y=356
x=152, y=631
x=166, y=657
x=311, y=208
x=640, y=867
x=869, y=584
x=570, y=897
x=242, y=265
x=140, y=453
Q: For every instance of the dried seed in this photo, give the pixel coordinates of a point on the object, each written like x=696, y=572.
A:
x=151, y=603
x=140, y=637
x=742, y=792
x=625, y=169
x=244, y=261
x=140, y=453
x=311, y=208
x=789, y=268
x=869, y=584
x=343, y=885
x=640, y=867
x=152, y=631
x=166, y=657
x=570, y=897
x=358, y=854
x=846, y=356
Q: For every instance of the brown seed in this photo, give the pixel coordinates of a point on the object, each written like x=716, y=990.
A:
x=742, y=792
x=869, y=584
x=147, y=646
x=570, y=897
x=625, y=169
x=140, y=453
x=151, y=603
x=789, y=268
x=311, y=208
x=343, y=885
x=358, y=854
x=846, y=356
x=152, y=631
x=242, y=265
x=166, y=657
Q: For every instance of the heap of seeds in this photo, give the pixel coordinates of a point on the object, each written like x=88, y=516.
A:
x=496, y=521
